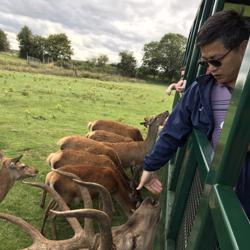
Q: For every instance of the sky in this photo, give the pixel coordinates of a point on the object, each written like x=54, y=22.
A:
x=99, y=27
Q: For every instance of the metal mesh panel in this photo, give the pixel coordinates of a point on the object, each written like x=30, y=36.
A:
x=189, y=212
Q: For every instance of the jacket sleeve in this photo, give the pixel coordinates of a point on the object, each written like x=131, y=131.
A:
x=174, y=133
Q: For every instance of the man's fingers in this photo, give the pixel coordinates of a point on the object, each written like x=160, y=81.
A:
x=140, y=186
x=155, y=187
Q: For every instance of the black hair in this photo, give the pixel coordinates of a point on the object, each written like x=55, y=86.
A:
x=228, y=26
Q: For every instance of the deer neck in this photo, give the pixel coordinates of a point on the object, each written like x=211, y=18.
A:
x=5, y=183
x=151, y=137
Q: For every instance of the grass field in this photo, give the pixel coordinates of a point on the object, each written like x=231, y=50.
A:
x=36, y=110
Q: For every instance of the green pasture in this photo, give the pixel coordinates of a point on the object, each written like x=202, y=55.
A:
x=37, y=110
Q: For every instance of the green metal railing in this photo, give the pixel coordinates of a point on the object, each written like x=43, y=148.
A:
x=200, y=207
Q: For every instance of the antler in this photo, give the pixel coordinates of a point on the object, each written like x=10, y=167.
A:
x=87, y=201
x=29, y=229
x=40, y=242
x=102, y=218
x=104, y=194
x=84, y=191
x=61, y=203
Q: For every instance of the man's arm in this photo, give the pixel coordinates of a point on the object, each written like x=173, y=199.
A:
x=172, y=136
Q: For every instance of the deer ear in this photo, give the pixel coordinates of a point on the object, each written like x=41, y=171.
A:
x=17, y=159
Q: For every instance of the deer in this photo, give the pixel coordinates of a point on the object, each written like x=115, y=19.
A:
x=117, y=128
x=129, y=153
x=110, y=178
x=74, y=158
x=133, y=153
x=78, y=142
x=70, y=156
x=106, y=136
x=137, y=233
x=81, y=143
x=83, y=238
x=13, y=170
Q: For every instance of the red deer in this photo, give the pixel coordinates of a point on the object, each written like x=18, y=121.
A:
x=117, y=128
x=108, y=177
x=69, y=156
x=133, y=153
x=103, y=135
x=81, y=239
x=137, y=233
x=74, y=158
x=78, y=142
x=13, y=170
x=127, y=196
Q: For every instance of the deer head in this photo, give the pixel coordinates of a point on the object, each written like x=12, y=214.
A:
x=157, y=120
x=13, y=170
x=16, y=169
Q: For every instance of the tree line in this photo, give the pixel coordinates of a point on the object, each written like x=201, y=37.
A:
x=161, y=59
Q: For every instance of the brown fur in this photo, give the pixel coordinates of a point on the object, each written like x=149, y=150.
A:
x=106, y=176
x=66, y=157
x=77, y=142
x=117, y=128
x=106, y=136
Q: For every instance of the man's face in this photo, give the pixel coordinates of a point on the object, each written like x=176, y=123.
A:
x=227, y=72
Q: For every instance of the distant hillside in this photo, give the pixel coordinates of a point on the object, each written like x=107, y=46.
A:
x=11, y=61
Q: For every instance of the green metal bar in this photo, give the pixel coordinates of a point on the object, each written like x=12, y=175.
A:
x=203, y=236
x=231, y=224
x=204, y=153
x=232, y=146
x=177, y=167
x=181, y=195
x=218, y=6
x=192, y=40
x=160, y=235
x=192, y=70
x=224, y=168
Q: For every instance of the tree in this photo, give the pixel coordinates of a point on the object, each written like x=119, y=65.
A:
x=38, y=49
x=4, y=43
x=102, y=60
x=164, y=58
x=58, y=47
x=150, y=59
x=171, y=51
x=127, y=64
x=25, y=41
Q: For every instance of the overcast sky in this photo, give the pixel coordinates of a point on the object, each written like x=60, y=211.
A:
x=98, y=27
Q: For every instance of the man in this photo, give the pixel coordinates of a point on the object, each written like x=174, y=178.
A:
x=222, y=40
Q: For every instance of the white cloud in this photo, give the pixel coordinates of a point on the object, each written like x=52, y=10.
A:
x=99, y=27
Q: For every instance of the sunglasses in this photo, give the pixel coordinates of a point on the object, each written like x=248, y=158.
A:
x=214, y=62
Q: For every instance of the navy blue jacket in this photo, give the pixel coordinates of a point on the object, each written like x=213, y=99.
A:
x=193, y=111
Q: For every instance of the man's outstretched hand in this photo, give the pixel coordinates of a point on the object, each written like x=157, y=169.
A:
x=150, y=182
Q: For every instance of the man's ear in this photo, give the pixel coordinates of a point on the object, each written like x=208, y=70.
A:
x=243, y=46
